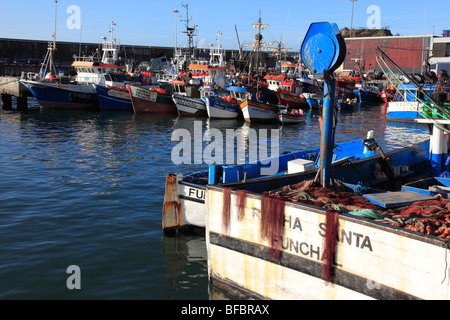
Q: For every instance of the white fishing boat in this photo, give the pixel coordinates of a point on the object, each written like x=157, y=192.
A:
x=291, y=118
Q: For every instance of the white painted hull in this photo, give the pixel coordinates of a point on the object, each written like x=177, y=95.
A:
x=189, y=106
x=286, y=119
x=258, y=112
x=404, y=110
x=220, y=111
x=373, y=260
x=184, y=205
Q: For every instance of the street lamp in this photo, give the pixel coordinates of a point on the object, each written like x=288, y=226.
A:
x=351, y=25
x=176, y=31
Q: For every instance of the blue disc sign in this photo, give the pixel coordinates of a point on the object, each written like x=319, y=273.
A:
x=323, y=49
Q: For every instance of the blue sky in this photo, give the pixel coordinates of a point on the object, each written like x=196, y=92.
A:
x=152, y=22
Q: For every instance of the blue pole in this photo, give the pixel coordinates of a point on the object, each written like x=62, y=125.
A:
x=327, y=134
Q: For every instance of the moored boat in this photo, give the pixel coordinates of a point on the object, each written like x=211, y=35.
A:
x=220, y=108
x=154, y=101
x=314, y=100
x=116, y=98
x=55, y=90
x=255, y=111
x=185, y=195
x=291, y=119
x=367, y=93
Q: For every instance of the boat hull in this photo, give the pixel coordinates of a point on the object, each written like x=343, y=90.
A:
x=367, y=96
x=292, y=101
x=218, y=109
x=111, y=99
x=254, y=111
x=313, y=101
x=190, y=107
x=288, y=119
x=184, y=204
x=63, y=96
x=146, y=101
x=372, y=260
x=404, y=111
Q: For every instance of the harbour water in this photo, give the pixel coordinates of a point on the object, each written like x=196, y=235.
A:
x=86, y=188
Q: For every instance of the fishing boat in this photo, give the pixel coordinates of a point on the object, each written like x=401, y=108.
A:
x=291, y=116
x=222, y=107
x=204, y=80
x=55, y=90
x=113, y=98
x=388, y=94
x=317, y=235
x=257, y=111
x=187, y=98
x=412, y=102
x=153, y=101
x=367, y=93
x=347, y=105
x=185, y=195
x=314, y=100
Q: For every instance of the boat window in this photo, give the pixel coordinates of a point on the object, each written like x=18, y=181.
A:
x=108, y=77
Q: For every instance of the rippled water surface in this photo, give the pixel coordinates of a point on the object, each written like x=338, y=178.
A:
x=86, y=188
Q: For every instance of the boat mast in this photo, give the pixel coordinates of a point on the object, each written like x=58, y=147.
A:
x=48, y=64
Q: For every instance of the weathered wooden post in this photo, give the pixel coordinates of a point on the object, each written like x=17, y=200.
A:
x=323, y=51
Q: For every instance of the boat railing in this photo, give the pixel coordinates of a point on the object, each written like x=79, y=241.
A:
x=33, y=76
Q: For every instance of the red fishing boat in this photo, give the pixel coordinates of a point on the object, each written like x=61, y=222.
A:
x=156, y=101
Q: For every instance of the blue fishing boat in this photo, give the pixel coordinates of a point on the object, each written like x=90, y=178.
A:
x=222, y=108
x=113, y=98
x=347, y=105
x=367, y=93
x=314, y=100
x=184, y=202
x=56, y=90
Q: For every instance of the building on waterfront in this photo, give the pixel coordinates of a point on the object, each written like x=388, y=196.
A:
x=414, y=54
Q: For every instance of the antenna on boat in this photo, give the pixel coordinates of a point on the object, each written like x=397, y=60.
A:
x=48, y=64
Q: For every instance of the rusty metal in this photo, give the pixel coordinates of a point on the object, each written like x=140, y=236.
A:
x=172, y=215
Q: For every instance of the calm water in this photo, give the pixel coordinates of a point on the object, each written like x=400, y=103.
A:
x=86, y=188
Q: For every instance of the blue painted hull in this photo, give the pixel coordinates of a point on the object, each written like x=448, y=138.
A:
x=111, y=99
x=218, y=109
x=404, y=116
x=416, y=158
x=63, y=96
x=313, y=103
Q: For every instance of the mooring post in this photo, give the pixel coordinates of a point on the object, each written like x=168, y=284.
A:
x=6, y=102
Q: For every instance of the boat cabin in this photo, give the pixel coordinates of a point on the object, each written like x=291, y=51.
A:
x=274, y=81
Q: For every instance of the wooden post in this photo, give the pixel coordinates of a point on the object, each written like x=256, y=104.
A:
x=6, y=102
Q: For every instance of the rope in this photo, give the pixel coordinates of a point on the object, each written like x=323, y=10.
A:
x=3, y=84
x=424, y=103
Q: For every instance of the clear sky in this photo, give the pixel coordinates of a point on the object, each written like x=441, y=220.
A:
x=152, y=22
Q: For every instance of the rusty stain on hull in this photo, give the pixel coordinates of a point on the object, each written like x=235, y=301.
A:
x=172, y=217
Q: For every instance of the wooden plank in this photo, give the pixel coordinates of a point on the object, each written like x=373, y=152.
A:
x=397, y=199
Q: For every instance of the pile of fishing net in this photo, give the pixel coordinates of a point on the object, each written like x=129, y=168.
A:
x=427, y=217
x=311, y=193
